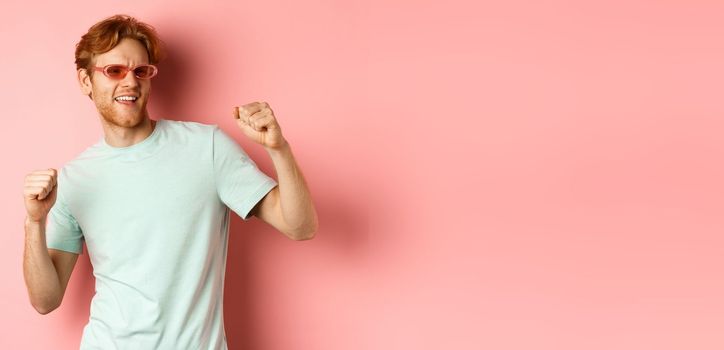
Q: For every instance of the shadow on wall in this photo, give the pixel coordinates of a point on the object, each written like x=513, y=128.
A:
x=171, y=85
x=343, y=236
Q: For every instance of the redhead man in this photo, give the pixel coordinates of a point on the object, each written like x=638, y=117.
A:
x=151, y=200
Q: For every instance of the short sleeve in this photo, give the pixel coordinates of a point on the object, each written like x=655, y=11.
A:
x=239, y=182
x=62, y=231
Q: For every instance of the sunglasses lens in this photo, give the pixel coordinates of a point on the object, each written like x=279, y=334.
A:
x=116, y=71
x=144, y=72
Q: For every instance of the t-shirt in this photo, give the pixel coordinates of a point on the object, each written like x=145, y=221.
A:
x=155, y=218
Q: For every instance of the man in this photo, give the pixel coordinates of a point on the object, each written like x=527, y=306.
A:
x=151, y=200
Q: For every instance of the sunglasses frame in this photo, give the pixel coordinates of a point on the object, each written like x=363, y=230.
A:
x=127, y=69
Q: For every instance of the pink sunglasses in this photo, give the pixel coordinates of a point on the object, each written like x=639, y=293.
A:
x=119, y=71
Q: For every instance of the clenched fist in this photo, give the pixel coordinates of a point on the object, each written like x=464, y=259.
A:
x=258, y=123
x=40, y=192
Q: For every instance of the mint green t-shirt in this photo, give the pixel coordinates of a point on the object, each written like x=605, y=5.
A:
x=155, y=217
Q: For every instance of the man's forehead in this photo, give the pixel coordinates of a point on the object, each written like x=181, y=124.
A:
x=119, y=58
x=128, y=51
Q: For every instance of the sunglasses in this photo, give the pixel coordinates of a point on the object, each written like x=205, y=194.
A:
x=119, y=71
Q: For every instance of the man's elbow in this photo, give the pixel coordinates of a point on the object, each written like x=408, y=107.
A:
x=303, y=234
x=43, y=311
x=305, y=237
x=45, y=308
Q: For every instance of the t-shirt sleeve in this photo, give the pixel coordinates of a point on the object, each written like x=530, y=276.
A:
x=239, y=182
x=62, y=231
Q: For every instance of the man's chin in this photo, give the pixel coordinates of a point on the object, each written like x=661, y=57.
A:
x=126, y=120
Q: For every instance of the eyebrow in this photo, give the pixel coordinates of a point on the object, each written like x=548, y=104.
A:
x=115, y=59
x=124, y=64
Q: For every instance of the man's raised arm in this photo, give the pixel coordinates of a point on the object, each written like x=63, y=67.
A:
x=46, y=271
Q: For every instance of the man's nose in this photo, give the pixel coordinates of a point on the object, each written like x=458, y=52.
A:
x=130, y=79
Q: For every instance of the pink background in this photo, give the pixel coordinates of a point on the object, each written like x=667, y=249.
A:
x=488, y=175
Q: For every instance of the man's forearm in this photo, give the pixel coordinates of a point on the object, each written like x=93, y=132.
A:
x=41, y=278
x=294, y=197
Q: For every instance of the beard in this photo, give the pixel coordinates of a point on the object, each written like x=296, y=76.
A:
x=118, y=115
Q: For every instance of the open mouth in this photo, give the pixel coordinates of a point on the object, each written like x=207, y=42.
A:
x=126, y=100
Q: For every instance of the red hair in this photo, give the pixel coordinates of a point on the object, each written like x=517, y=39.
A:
x=106, y=34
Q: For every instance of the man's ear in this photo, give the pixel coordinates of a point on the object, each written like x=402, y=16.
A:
x=84, y=80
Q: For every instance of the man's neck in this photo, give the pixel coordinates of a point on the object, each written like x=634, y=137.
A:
x=117, y=136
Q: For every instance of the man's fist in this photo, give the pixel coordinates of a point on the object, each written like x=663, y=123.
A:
x=258, y=123
x=40, y=192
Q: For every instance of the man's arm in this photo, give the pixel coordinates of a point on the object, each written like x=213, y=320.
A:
x=288, y=207
x=46, y=271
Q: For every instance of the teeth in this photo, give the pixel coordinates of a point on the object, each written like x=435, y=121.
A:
x=126, y=98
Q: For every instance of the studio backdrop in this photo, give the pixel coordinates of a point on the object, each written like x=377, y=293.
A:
x=487, y=174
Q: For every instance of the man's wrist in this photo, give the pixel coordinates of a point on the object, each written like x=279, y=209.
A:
x=279, y=150
x=32, y=222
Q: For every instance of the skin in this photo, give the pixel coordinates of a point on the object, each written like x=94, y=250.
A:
x=288, y=207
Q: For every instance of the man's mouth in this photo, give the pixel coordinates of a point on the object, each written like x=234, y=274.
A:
x=126, y=100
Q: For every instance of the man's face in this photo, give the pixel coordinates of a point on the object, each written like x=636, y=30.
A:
x=104, y=90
